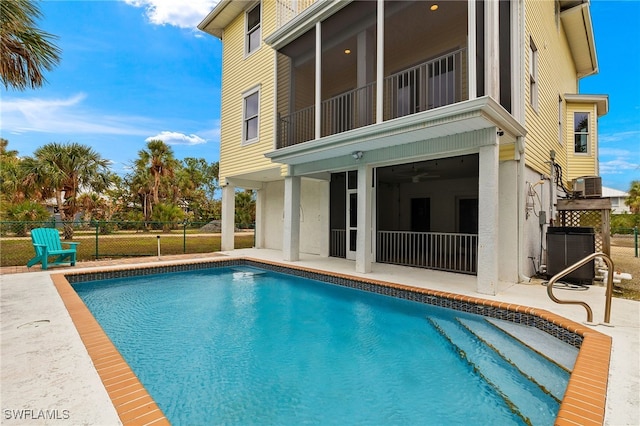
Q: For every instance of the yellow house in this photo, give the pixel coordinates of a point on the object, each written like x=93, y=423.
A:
x=429, y=134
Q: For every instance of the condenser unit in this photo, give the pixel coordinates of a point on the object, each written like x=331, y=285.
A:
x=588, y=187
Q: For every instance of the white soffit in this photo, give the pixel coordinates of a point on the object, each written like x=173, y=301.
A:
x=579, y=30
x=222, y=15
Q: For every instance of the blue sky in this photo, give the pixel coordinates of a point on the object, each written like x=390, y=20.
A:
x=135, y=70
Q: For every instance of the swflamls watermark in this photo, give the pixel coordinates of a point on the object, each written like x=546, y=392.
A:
x=32, y=414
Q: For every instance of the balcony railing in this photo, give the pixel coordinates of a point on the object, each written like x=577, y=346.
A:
x=433, y=250
x=297, y=127
x=349, y=110
x=429, y=85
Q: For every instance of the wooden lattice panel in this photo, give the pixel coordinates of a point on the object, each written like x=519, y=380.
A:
x=585, y=218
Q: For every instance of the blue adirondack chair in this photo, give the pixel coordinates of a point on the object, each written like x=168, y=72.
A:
x=46, y=243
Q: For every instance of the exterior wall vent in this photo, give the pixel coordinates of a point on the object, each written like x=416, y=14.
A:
x=587, y=187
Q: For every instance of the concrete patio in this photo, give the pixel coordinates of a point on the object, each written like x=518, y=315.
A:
x=48, y=377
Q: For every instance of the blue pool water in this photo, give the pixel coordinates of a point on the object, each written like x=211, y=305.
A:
x=220, y=346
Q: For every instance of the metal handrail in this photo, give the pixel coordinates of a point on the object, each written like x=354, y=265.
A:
x=608, y=294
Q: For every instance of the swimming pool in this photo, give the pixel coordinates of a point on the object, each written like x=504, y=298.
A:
x=243, y=346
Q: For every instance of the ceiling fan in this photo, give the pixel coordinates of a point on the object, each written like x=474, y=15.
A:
x=417, y=174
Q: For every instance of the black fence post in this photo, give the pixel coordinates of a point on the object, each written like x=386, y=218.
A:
x=97, y=225
x=635, y=239
x=184, y=237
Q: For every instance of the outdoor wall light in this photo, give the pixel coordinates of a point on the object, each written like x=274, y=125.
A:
x=357, y=155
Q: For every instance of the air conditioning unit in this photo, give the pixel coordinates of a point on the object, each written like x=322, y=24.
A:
x=588, y=187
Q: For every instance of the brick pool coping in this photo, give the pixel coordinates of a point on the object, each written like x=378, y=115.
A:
x=583, y=403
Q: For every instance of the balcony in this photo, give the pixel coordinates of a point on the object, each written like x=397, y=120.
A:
x=431, y=84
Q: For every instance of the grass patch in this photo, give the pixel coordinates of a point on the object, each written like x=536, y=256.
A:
x=16, y=252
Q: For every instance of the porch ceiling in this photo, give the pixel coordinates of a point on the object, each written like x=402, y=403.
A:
x=462, y=117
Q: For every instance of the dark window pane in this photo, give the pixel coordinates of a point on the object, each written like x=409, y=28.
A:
x=581, y=143
x=253, y=18
x=353, y=179
x=254, y=40
x=251, y=129
x=251, y=105
x=353, y=234
x=353, y=210
x=581, y=122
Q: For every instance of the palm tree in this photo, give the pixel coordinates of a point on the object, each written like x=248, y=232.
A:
x=25, y=50
x=11, y=190
x=633, y=200
x=159, y=161
x=62, y=170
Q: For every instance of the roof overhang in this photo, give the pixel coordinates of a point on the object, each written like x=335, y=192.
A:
x=577, y=24
x=462, y=117
x=222, y=15
x=601, y=101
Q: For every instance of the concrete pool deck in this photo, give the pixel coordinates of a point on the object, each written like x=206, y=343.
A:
x=48, y=377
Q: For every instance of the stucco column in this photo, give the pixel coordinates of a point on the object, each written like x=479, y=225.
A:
x=228, y=217
x=363, y=240
x=259, y=225
x=488, y=219
x=291, y=226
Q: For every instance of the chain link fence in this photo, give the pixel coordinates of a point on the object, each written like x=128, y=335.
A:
x=100, y=240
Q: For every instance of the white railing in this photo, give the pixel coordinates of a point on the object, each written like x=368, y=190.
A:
x=286, y=10
x=338, y=243
x=432, y=250
x=429, y=85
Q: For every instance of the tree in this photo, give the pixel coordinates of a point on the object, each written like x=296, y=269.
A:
x=11, y=189
x=633, y=200
x=25, y=50
x=197, y=181
x=245, y=208
x=63, y=170
x=158, y=161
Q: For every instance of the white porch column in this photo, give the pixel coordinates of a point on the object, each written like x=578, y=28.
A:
x=471, y=49
x=259, y=225
x=380, y=63
x=488, y=219
x=318, y=93
x=291, y=226
x=492, y=48
x=228, y=217
x=363, y=240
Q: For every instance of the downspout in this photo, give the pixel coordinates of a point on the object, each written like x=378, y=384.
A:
x=520, y=152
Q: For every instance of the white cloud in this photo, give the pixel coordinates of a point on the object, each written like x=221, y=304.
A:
x=617, y=166
x=175, y=138
x=619, y=136
x=182, y=14
x=66, y=116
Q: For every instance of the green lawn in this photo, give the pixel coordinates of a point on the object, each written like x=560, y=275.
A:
x=14, y=252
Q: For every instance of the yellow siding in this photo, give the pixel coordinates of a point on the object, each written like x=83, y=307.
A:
x=507, y=152
x=582, y=164
x=556, y=76
x=239, y=75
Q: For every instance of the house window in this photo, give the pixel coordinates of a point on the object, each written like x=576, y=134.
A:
x=250, y=116
x=533, y=74
x=581, y=132
x=252, y=19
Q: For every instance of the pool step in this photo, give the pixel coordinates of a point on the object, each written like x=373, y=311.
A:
x=554, y=349
x=525, y=397
x=547, y=374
